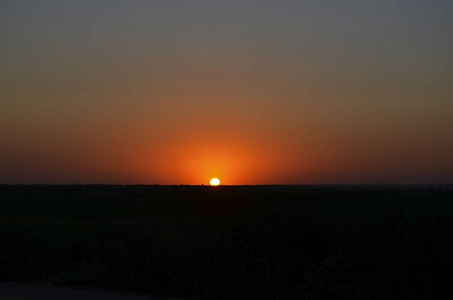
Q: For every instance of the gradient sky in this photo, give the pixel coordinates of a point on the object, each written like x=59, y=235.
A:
x=251, y=92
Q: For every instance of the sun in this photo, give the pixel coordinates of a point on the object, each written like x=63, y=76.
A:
x=214, y=181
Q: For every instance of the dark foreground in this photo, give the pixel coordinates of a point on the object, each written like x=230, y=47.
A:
x=263, y=242
x=15, y=291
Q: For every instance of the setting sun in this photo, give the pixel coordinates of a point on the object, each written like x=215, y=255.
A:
x=214, y=181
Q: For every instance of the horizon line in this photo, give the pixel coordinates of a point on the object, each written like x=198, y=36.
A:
x=229, y=185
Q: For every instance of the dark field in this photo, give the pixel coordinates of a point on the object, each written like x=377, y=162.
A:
x=245, y=242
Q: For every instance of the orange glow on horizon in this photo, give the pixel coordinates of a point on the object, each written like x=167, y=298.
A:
x=236, y=159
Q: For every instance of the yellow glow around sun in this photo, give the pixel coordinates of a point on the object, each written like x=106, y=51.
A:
x=214, y=181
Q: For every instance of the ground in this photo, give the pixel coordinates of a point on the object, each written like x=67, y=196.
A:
x=15, y=291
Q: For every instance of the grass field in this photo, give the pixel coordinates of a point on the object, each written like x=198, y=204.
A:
x=232, y=242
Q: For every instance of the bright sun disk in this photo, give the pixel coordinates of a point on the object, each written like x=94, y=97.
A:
x=214, y=181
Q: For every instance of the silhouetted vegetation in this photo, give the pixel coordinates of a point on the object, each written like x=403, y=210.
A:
x=265, y=242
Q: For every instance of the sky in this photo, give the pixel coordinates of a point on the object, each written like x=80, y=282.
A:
x=250, y=92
